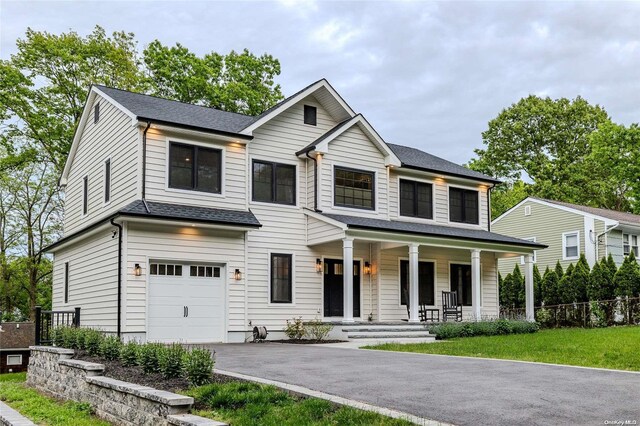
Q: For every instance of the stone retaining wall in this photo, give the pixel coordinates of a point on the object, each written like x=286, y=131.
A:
x=52, y=371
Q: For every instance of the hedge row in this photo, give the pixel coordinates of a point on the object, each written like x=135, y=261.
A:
x=482, y=328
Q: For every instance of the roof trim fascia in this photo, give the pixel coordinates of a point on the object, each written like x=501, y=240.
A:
x=343, y=226
x=167, y=125
x=295, y=99
x=457, y=175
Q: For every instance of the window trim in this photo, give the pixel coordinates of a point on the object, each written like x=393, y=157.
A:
x=107, y=188
x=435, y=280
x=466, y=188
x=433, y=204
x=527, y=210
x=19, y=356
x=292, y=274
x=85, y=195
x=630, y=244
x=66, y=282
x=374, y=208
x=223, y=158
x=564, y=245
x=455, y=262
x=535, y=252
x=304, y=114
x=273, y=183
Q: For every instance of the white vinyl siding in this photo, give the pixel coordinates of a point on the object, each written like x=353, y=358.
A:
x=93, y=279
x=184, y=244
x=115, y=137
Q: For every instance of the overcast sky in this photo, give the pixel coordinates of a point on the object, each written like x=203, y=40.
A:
x=425, y=74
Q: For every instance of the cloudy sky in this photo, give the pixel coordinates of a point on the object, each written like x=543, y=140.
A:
x=425, y=74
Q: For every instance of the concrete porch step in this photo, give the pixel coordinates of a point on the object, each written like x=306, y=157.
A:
x=392, y=335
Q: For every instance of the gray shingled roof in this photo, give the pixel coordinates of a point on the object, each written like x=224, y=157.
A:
x=417, y=159
x=196, y=214
x=359, y=222
x=622, y=217
x=168, y=111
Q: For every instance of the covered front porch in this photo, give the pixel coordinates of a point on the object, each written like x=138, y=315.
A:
x=387, y=276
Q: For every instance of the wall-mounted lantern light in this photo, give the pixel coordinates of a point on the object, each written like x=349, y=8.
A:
x=237, y=275
x=318, y=265
x=137, y=270
x=367, y=268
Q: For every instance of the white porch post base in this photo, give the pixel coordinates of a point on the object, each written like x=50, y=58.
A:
x=528, y=287
x=475, y=284
x=347, y=271
x=413, y=283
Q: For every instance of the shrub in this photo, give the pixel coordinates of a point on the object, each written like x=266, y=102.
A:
x=92, y=341
x=129, y=353
x=482, y=328
x=148, y=355
x=81, y=334
x=317, y=330
x=550, y=288
x=198, y=366
x=57, y=336
x=69, y=337
x=544, y=316
x=295, y=329
x=110, y=348
x=171, y=361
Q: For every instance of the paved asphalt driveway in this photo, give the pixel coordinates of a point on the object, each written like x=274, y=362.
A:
x=461, y=391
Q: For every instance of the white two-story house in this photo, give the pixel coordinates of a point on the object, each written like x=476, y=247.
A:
x=186, y=223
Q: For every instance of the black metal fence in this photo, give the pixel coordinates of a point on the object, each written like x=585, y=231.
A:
x=48, y=320
x=603, y=313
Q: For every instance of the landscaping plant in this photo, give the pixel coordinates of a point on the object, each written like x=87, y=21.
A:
x=198, y=366
x=295, y=329
x=110, y=348
x=148, y=357
x=171, y=361
x=452, y=330
x=129, y=353
x=317, y=330
x=92, y=341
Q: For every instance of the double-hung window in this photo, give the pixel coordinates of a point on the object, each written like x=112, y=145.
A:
x=274, y=182
x=354, y=188
x=629, y=244
x=281, y=278
x=426, y=283
x=571, y=245
x=464, y=206
x=195, y=168
x=416, y=199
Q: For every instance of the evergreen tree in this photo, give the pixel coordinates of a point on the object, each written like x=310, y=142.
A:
x=550, y=290
x=565, y=287
x=518, y=288
x=601, y=285
x=611, y=264
x=580, y=280
x=506, y=301
x=559, y=270
x=627, y=279
x=537, y=286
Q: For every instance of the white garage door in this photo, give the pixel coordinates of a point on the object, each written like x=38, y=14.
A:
x=186, y=303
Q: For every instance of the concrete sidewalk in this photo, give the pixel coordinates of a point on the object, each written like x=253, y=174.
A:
x=455, y=390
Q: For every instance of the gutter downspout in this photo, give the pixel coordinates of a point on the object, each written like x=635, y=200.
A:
x=144, y=166
x=315, y=182
x=606, y=231
x=117, y=225
x=489, y=206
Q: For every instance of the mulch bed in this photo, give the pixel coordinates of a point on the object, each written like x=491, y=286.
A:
x=306, y=341
x=116, y=370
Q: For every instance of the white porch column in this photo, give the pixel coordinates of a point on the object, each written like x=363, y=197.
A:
x=347, y=271
x=528, y=286
x=475, y=284
x=413, y=283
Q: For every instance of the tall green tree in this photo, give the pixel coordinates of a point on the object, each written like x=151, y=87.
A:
x=559, y=270
x=627, y=279
x=550, y=288
x=565, y=286
x=611, y=264
x=580, y=280
x=601, y=286
x=537, y=286
x=237, y=82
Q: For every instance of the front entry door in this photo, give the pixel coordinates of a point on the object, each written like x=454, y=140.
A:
x=334, y=288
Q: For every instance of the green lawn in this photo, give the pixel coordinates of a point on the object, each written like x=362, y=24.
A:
x=42, y=409
x=242, y=403
x=613, y=347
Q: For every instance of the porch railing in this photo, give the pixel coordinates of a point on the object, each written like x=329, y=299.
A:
x=48, y=320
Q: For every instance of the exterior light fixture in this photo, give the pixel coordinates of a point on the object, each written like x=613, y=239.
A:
x=367, y=268
x=237, y=275
x=318, y=265
x=137, y=270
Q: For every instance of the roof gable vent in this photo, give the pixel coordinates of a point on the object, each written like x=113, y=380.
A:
x=527, y=210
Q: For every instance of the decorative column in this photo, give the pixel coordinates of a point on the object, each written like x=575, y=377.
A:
x=413, y=283
x=347, y=276
x=475, y=284
x=528, y=286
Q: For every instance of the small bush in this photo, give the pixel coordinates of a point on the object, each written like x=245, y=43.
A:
x=198, y=366
x=295, y=329
x=81, y=334
x=171, y=361
x=69, y=338
x=317, y=330
x=148, y=355
x=110, y=348
x=129, y=353
x=482, y=328
x=92, y=341
x=57, y=336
